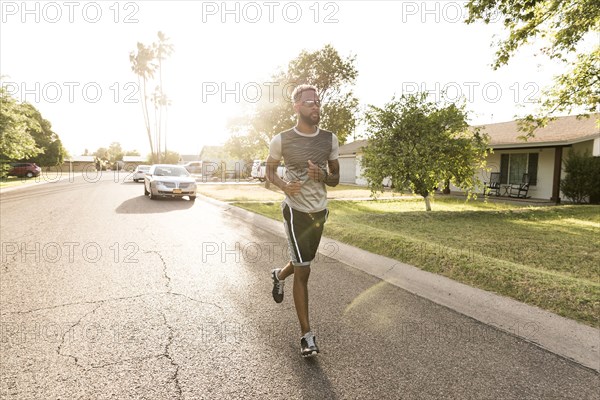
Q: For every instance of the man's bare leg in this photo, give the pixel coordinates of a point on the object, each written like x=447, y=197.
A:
x=286, y=271
x=300, y=290
x=301, y=275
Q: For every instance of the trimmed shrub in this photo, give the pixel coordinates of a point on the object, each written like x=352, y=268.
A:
x=582, y=180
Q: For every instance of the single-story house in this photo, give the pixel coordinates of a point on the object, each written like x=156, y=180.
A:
x=541, y=157
x=79, y=164
x=131, y=162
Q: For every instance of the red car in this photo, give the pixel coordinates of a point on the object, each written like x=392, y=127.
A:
x=25, y=169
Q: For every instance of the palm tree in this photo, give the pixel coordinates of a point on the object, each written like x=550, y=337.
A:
x=162, y=49
x=166, y=102
x=142, y=64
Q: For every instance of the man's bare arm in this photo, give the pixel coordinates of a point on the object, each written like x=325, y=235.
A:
x=333, y=177
x=289, y=188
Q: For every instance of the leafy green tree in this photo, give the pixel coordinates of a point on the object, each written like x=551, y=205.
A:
x=564, y=26
x=53, y=152
x=422, y=145
x=102, y=154
x=16, y=142
x=115, y=152
x=238, y=148
x=331, y=74
x=171, y=157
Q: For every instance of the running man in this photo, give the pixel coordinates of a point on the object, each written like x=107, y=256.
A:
x=311, y=160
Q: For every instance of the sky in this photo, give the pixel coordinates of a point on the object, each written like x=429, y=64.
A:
x=70, y=59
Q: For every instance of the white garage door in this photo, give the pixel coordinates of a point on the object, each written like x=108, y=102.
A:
x=347, y=169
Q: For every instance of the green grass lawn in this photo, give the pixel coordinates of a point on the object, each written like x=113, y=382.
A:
x=546, y=256
x=15, y=181
x=256, y=192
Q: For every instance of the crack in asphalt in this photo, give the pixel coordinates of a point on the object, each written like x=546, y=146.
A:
x=78, y=303
x=134, y=359
x=192, y=299
x=164, y=268
x=107, y=301
x=168, y=356
x=62, y=341
x=167, y=353
x=99, y=303
x=167, y=286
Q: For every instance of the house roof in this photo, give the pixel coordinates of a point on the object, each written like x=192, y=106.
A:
x=189, y=157
x=89, y=159
x=134, y=159
x=352, y=148
x=505, y=135
x=561, y=131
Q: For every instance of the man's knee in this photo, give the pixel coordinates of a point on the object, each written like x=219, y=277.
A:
x=302, y=272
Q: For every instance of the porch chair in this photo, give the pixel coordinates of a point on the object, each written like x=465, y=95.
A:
x=520, y=190
x=493, y=185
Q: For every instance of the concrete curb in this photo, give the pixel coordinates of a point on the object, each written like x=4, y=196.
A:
x=562, y=336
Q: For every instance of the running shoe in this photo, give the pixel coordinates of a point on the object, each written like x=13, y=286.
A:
x=308, y=345
x=277, y=286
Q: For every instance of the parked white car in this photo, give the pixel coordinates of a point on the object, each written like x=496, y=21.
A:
x=259, y=170
x=193, y=167
x=168, y=180
x=140, y=172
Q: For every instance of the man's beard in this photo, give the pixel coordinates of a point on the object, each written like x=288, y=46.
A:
x=308, y=119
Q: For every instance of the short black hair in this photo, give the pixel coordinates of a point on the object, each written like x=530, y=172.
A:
x=297, y=93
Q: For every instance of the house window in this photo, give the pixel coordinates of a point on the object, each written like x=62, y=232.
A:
x=513, y=166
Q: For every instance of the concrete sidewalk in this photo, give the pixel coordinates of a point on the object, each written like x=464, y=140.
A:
x=564, y=337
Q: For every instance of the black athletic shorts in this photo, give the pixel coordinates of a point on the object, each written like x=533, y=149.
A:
x=304, y=232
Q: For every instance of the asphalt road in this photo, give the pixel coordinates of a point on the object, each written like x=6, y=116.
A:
x=106, y=294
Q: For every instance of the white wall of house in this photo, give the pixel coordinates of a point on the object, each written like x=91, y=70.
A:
x=347, y=169
x=351, y=171
x=582, y=147
x=543, y=186
x=360, y=179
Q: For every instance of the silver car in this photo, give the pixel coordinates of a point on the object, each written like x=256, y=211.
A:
x=168, y=180
x=140, y=172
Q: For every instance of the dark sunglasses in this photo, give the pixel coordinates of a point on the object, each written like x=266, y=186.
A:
x=310, y=103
